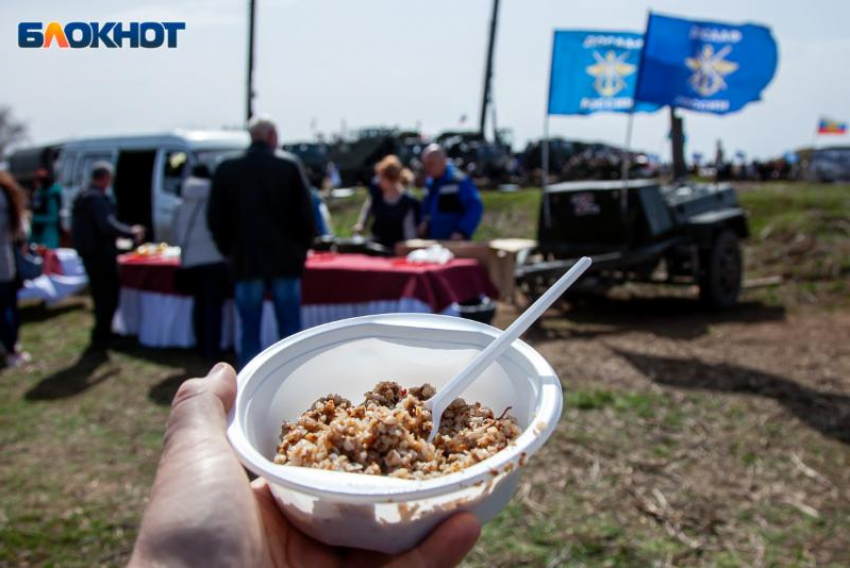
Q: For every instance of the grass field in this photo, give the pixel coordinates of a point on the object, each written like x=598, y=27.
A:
x=688, y=438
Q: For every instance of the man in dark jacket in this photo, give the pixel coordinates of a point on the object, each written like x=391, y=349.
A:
x=94, y=229
x=260, y=215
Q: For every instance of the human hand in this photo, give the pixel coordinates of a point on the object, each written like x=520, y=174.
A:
x=423, y=229
x=138, y=233
x=203, y=510
x=458, y=236
x=357, y=229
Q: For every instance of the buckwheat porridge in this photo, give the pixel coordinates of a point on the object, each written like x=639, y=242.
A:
x=387, y=434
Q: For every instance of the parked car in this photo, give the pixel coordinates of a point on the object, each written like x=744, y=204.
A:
x=830, y=164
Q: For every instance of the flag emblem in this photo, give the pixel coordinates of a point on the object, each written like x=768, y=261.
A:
x=704, y=66
x=610, y=72
x=830, y=126
x=595, y=71
x=710, y=70
x=584, y=204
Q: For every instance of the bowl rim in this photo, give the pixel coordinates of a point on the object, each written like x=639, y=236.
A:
x=543, y=422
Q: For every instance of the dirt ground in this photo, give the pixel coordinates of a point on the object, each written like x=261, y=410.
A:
x=689, y=439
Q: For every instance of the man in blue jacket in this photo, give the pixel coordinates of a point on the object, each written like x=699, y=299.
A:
x=452, y=208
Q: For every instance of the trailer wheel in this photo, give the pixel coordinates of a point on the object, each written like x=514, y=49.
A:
x=721, y=272
x=533, y=287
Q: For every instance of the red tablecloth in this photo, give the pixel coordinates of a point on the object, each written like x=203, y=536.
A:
x=331, y=278
x=148, y=273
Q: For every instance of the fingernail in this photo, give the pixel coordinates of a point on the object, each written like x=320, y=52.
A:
x=217, y=368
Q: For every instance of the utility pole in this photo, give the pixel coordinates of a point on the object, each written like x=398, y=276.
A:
x=488, y=71
x=249, y=95
x=677, y=139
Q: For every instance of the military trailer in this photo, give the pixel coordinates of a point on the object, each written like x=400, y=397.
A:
x=313, y=156
x=639, y=231
x=355, y=158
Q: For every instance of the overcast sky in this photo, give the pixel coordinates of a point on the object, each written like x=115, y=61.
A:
x=397, y=63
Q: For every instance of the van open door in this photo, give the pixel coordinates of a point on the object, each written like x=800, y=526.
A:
x=132, y=188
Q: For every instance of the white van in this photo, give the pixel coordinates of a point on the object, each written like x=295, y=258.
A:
x=149, y=171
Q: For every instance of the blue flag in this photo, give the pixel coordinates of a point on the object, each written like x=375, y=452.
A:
x=594, y=72
x=705, y=66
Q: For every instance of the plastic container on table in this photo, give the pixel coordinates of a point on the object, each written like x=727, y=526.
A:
x=482, y=310
x=348, y=358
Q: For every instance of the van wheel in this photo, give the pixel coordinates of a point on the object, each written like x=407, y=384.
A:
x=721, y=272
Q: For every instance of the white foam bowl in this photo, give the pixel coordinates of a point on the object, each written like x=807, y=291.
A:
x=348, y=358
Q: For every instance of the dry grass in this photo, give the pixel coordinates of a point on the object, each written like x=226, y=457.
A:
x=689, y=440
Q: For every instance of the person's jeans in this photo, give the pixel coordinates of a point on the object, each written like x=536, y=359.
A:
x=9, y=316
x=249, y=295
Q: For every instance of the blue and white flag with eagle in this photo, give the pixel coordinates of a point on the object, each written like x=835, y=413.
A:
x=595, y=71
x=704, y=66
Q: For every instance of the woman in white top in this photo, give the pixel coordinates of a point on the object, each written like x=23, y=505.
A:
x=203, y=270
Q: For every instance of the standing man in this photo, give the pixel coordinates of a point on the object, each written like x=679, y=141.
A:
x=94, y=229
x=452, y=208
x=260, y=215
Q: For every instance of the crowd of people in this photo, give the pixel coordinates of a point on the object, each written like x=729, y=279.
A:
x=757, y=170
x=262, y=215
x=244, y=227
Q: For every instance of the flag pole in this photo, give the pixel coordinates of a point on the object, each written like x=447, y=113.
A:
x=547, y=218
x=544, y=158
x=249, y=92
x=627, y=150
x=816, y=135
x=627, y=158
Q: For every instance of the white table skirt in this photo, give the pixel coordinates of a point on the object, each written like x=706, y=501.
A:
x=54, y=287
x=165, y=320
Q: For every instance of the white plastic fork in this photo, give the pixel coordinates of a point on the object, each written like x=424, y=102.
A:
x=438, y=403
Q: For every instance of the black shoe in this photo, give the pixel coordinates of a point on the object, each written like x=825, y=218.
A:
x=106, y=341
x=99, y=344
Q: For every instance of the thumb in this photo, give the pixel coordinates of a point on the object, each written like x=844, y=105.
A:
x=205, y=402
x=200, y=492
